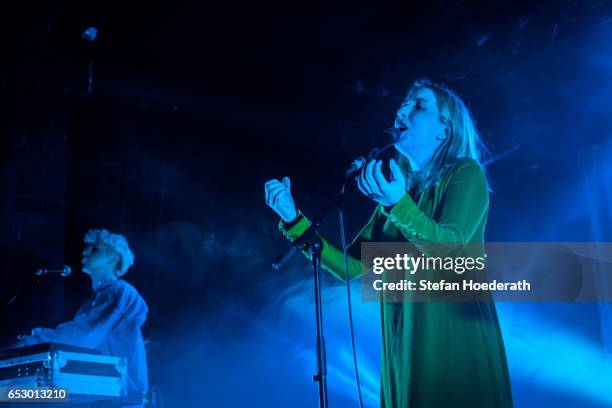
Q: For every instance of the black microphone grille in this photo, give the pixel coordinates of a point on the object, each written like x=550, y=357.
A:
x=394, y=132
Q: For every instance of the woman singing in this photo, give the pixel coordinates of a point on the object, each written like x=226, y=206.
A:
x=434, y=354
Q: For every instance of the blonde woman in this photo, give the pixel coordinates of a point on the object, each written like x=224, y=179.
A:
x=434, y=354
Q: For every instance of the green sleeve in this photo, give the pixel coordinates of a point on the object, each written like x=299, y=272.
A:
x=332, y=256
x=464, y=204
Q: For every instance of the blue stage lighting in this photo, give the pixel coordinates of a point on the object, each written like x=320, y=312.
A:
x=90, y=34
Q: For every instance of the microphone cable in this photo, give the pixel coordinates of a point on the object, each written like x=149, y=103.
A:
x=373, y=154
x=355, y=168
x=348, y=294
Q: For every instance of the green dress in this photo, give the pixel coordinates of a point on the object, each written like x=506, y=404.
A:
x=434, y=354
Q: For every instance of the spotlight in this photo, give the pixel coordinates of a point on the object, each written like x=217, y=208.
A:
x=90, y=34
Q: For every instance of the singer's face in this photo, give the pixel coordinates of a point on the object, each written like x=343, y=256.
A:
x=99, y=262
x=418, y=119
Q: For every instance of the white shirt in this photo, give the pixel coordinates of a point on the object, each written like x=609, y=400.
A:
x=109, y=322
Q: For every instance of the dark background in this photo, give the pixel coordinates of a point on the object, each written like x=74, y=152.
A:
x=194, y=106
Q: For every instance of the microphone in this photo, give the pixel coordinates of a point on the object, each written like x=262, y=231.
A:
x=395, y=133
x=356, y=166
x=65, y=271
x=360, y=161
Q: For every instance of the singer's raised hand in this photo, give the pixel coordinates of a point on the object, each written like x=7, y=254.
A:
x=278, y=197
x=373, y=184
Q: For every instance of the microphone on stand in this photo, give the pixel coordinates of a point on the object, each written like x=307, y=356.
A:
x=309, y=240
x=360, y=161
x=65, y=271
x=355, y=167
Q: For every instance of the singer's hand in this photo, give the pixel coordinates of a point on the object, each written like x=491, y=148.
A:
x=373, y=184
x=278, y=197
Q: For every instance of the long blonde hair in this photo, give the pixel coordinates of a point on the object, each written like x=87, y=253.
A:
x=463, y=138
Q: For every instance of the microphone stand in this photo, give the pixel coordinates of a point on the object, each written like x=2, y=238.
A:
x=321, y=376
x=310, y=241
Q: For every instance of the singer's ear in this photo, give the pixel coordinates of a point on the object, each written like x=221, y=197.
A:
x=446, y=134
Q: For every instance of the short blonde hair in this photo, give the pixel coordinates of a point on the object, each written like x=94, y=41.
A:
x=117, y=243
x=463, y=138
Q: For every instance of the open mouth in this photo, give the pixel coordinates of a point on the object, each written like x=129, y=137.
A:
x=396, y=133
x=399, y=134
